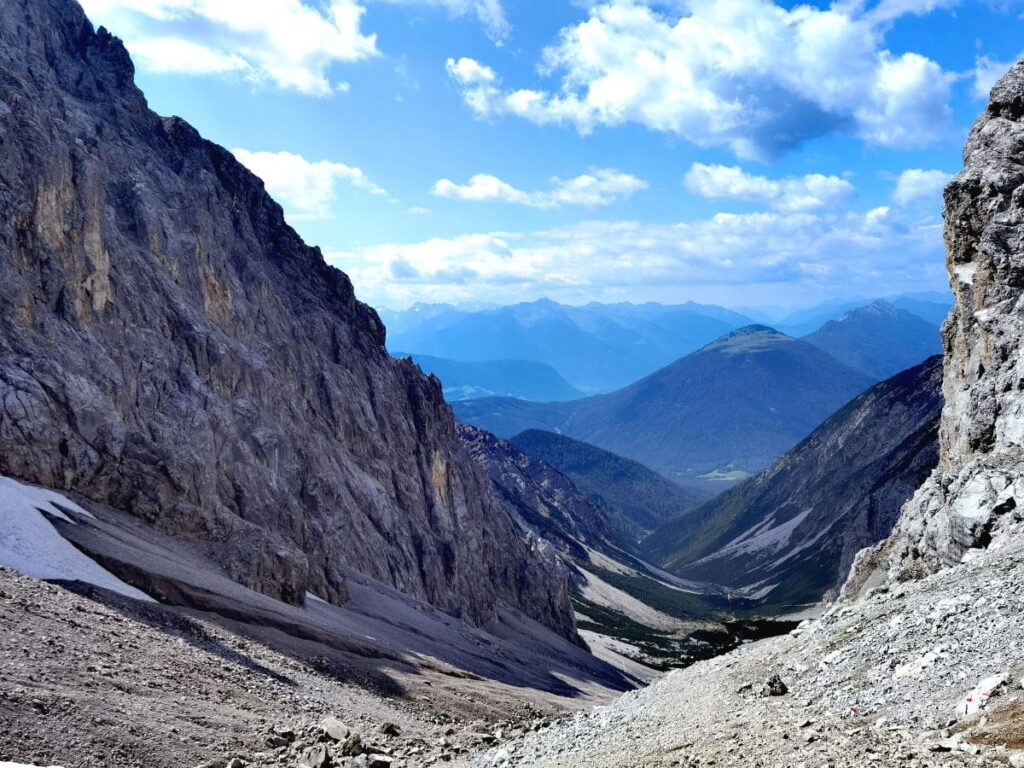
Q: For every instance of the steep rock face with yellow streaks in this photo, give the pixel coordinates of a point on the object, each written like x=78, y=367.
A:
x=171, y=348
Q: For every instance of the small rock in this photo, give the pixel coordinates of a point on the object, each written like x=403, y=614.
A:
x=379, y=761
x=390, y=729
x=353, y=745
x=285, y=733
x=774, y=687
x=316, y=756
x=334, y=729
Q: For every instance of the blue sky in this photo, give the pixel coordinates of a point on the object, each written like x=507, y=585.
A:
x=732, y=151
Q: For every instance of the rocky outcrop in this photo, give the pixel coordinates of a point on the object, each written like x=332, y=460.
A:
x=975, y=497
x=171, y=348
x=543, y=500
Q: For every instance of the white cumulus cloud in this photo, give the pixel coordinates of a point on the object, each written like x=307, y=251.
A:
x=794, y=193
x=177, y=55
x=916, y=185
x=728, y=257
x=597, y=188
x=285, y=43
x=304, y=188
x=757, y=77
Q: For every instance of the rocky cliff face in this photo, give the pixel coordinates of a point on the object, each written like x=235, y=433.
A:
x=170, y=347
x=974, y=498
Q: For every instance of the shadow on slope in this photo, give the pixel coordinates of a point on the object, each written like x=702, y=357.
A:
x=377, y=634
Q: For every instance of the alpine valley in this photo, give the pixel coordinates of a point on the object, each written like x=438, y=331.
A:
x=248, y=520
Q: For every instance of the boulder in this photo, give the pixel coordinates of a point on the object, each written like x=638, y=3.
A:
x=316, y=756
x=774, y=686
x=334, y=729
x=353, y=745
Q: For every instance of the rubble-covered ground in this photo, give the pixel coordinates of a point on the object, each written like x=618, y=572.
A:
x=924, y=673
x=107, y=681
x=902, y=678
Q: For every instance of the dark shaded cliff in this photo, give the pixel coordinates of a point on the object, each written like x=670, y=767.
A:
x=171, y=348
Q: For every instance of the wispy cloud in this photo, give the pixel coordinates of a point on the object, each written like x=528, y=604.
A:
x=986, y=73
x=305, y=188
x=793, y=193
x=738, y=256
x=597, y=188
x=916, y=185
x=491, y=13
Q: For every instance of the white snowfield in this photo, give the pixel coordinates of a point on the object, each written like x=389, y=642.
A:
x=30, y=544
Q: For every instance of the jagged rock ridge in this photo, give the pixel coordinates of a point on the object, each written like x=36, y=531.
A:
x=974, y=498
x=539, y=497
x=171, y=348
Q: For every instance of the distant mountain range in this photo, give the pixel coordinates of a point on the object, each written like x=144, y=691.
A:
x=880, y=339
x=713, y=417
x=932, y=306
x=595, y=348
x=598, y=348
x=524, y=379
x=789, y=535
x=635, y=497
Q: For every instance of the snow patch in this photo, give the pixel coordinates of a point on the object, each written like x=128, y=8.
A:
x=965, y=273
x=760, y=593
x=30, y=544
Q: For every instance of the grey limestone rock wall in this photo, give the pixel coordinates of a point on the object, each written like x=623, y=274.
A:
x=171, y=348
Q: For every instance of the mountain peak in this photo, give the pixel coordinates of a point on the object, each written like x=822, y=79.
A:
x=749, y=338
x=877, y=308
